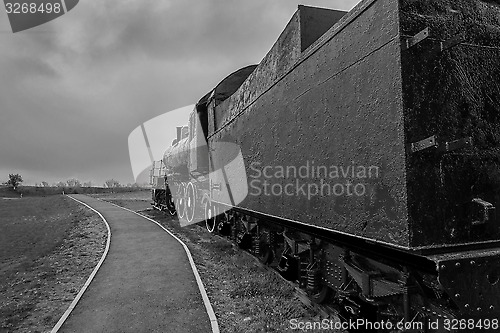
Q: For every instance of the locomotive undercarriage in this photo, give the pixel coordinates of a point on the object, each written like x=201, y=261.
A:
x=363, y=280
x=183, y=198
x=163, y=201
x=359, y=284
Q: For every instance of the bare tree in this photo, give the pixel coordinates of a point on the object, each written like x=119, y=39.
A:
x=87, y=184
x=14, y=180
x=45, y=184
x=111, y=183
x=73, y=182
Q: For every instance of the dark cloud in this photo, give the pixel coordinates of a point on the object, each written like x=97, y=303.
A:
x=32, y=67
x=72, y=90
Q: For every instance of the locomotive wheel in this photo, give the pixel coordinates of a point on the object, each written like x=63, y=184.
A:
x=210, y=216
x=190, y=202
x=266, y=254
x=321, y=295
x=181, y=211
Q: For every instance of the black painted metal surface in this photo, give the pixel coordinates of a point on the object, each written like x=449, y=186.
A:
x=339, y=107
x=353, y=103
x=453, y=95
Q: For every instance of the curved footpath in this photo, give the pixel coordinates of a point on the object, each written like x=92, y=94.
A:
x=145, y=284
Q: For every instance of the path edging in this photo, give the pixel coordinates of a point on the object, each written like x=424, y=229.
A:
x=92, y=275
x=201, y=287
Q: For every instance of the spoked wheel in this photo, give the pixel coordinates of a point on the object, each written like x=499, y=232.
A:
x=190, y=202
x=181, y=201
x=210, y=216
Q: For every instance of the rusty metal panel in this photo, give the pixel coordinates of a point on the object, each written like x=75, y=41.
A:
x=471, y=279
x=341, y=108
x=453, y=94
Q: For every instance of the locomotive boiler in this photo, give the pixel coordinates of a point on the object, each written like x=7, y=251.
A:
x=364, y=160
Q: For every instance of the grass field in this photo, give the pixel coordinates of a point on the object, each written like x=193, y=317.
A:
x=6, y=192
x=48, y=247
x=246, y=297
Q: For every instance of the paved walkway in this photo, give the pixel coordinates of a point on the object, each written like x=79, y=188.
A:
x=144, y=285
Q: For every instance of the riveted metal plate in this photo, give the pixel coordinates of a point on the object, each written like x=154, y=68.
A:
x=429, y=142
x=412, y=41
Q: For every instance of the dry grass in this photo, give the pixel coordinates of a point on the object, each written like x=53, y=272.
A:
x=48, y=248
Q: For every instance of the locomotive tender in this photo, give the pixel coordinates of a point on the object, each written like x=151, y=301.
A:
x=365, y=159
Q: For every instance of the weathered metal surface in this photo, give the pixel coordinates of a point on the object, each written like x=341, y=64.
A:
x=280, y=58
x=472, y=281
x=412, y=41
x=354, y=102
x=176, y=157
x=221, y=92
x=339, y=108
x=426, y=143
x=305, y=27
x=432, y=142
x=454, y=95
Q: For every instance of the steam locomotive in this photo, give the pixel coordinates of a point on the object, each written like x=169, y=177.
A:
x=361, y=157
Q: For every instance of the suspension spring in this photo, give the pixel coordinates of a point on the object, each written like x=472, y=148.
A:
x=312, y=279
x=256, y=244
x=234, y=231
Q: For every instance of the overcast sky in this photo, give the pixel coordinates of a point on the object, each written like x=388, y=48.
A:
x=73, y=89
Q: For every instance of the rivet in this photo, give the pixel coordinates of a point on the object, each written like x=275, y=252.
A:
x=472, y=262
x=457, y=295
x=443, y=266
x=479, y=309
x=466, y=306
x=457, y=264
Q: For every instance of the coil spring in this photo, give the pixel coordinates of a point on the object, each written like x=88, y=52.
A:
x=312, y=279
x=234, y=232
x=256, y=244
